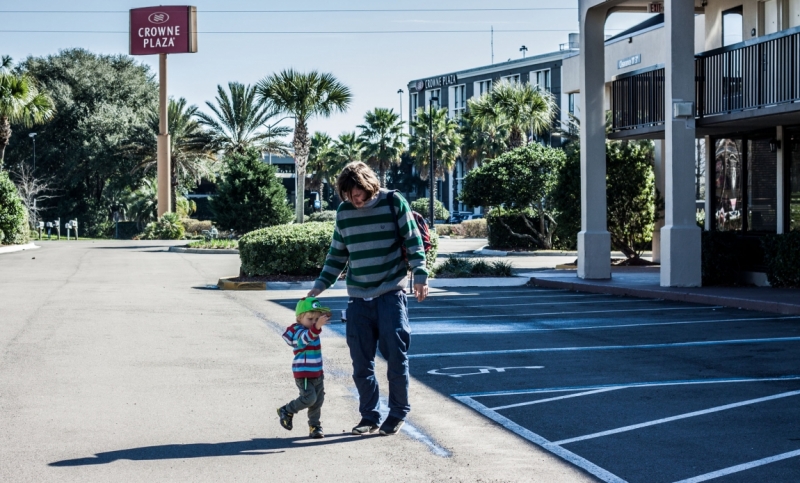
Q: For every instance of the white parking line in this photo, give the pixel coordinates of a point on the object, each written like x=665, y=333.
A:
x=484, y=296
x=557, y=398
x=741, y=467
x=542, y=314
x=677, y=417
x=610, y=347
x=459, y=328
x=542, y=442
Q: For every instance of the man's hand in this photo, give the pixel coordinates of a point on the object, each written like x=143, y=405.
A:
x=314, y=292
x=323, y=320
x=420, y=291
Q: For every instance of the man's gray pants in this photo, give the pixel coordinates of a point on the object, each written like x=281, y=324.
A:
x=312, y=395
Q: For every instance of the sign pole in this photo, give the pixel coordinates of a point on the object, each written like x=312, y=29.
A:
x=164, y=155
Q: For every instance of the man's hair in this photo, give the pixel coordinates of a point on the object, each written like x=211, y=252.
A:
x=357, y=175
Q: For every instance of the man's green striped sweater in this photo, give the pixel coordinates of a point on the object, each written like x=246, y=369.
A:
x=366, y=238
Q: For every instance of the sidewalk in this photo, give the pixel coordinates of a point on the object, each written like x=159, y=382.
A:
x=644, y=282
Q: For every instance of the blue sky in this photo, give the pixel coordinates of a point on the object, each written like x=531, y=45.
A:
x=374, y=66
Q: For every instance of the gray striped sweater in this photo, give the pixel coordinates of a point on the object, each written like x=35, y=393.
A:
x=366, y=238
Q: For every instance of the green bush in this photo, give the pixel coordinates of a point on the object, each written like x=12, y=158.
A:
x=195, y=227
x=13, y=216
x=168, y=227
x=456, y=267
x=469, y=229
x=422, y=206
x=782, y=257
x=329, y=215
x=430, y=257
x=500, y=237
x=721, y=257
x=286, y=249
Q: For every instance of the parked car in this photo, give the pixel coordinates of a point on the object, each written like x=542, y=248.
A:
x=458, y=216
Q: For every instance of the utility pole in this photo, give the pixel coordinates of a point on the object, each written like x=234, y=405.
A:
x=432, y=169
x=492, y=44
x=400, y=91
x=163, y=145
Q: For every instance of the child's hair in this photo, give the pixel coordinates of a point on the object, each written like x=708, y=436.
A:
x=357, y=175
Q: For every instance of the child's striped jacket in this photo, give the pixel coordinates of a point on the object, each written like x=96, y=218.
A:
x=307, y=350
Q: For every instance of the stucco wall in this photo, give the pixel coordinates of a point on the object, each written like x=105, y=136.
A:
x=713, y=19
x=650, y=45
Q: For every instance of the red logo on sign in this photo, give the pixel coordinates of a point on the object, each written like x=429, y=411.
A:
x=158, y=17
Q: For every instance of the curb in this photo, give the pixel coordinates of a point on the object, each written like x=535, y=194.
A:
x=224, y=283
x=485, y=251
x=18, y=248
x=707, y=299
x=216, y=251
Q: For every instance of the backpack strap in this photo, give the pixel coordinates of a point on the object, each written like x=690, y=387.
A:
x=390, y=198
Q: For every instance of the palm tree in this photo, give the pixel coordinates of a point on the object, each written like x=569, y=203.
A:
x=519, y=107
x=347, y=148
x=142, y=204
x=382, y=137
x=191, y=147
x=446, y=142
x=481, y=141
x=21, y=102
x=304, y=96
x=320, y=157
x=238, y=119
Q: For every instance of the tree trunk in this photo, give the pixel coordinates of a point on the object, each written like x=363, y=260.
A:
x=302, y=145
x=515, y=138
x=382, y=174
x=5, y=136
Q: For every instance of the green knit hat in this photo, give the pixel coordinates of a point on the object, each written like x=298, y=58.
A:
x=309, y=304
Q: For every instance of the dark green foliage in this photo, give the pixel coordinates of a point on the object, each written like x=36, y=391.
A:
x=720, y=258
x=782, y=257
x=286, y=249
x=566, y=198
x=430, y=257
x=249, y=196
x=517, y=179
x=456, y=267
x=323, y=216
x=127, y=230
x=168, y=227
x=422, y=206
x=13, y=217
x=100, y=100
x=499, y=220
x=631, y=196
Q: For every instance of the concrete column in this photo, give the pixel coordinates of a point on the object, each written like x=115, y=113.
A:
x=680, y=237
x=781, y=192
x=711, y=182
x=594, y=241
x=163, y=147
x=658, y=170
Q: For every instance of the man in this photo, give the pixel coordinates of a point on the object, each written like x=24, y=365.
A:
x=368, y=238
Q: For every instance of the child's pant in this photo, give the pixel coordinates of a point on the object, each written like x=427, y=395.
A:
x=312, y=395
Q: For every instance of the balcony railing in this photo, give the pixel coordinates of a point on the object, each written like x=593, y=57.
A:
x=749, y=75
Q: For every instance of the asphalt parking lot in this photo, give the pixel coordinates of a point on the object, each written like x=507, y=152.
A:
x=627, y=389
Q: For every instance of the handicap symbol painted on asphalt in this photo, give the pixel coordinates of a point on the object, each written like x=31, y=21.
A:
x=481, y=370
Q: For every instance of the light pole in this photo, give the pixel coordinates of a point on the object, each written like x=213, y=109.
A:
x=33, y=137
x=430, y=132
x=400, y=91
x=523, y=49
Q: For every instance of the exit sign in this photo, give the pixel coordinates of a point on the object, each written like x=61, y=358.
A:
x=656, y=7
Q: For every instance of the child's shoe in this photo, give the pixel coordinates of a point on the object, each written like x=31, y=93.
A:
x=285, y=417
x=315, y=432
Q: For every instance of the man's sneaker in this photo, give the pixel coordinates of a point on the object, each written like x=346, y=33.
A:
x=286, y=418
x=365, y=426
x=315, y=432
x=391, y=426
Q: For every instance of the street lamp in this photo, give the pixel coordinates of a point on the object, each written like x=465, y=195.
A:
x=400, y=91
x=33, y=137
x=430, y=132
x=523, y=49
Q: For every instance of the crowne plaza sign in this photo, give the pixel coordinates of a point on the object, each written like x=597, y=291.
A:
x=163, y=30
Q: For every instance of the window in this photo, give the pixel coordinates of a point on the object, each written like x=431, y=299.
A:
x=437, y=93
x=458, y=101
x=793, y=182
x=414, y=106
x=513, y=79
x=541, y=78
x=728, y=171
x=762, y=186
x=482, y=87
x=732, y=26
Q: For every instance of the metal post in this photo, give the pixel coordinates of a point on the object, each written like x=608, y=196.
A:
x=400, y=91
x=432, y=181
x=164, y=171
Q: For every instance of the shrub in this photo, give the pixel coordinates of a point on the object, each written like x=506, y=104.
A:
x=475, y=228
x=422, y=206
x=286, y=249
x=195, y=227
x=168, y=227
x=720, y=256
x=456, y=267
x=447, y=230
x=13, y=216
x=430, y=257
x=782, y=257
x=500, y=237
x=323, y=216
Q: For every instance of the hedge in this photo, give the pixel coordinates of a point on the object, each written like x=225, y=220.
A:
x=782, y=258
x=13, y=216
x=286, y=249
x=469, y=229
x=168, y=227
x=500, y=237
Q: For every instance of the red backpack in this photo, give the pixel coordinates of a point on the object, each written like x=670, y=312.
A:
x=422, y=225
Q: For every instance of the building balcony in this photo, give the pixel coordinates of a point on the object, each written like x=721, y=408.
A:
x=750, y=85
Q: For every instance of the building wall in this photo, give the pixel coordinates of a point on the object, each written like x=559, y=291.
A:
x=713, y=20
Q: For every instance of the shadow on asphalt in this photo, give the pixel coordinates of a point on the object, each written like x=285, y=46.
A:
x=258, y=446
